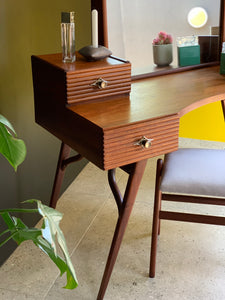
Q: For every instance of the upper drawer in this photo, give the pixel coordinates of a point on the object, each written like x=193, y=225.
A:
x=97, y=84
x=120, y=144
x=74, y=82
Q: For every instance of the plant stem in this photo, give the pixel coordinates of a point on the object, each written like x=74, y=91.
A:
x=10, y=237
x=4, y=232
x=34, y=210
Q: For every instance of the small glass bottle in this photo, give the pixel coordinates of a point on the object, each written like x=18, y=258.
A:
x=68, y=37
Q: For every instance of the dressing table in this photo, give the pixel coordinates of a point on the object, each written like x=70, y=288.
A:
x=117, y=130
x=120, y=131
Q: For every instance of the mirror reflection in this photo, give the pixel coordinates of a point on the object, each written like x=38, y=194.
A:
x=134, y=24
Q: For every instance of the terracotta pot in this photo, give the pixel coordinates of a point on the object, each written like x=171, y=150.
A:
x=163, y=54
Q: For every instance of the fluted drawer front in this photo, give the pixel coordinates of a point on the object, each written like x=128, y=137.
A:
x=120, y=145
x=80, y=86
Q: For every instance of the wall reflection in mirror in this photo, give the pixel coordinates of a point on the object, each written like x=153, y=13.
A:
x=134, y=24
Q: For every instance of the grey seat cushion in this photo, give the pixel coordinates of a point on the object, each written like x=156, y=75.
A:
x=195, y=171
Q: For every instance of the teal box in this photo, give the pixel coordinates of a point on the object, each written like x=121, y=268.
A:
x=188, y=55
x=222, y=63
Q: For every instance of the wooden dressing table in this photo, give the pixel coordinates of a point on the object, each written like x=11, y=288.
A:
x=121, y=131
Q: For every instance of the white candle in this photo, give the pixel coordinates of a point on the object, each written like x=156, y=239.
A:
x=94, y=28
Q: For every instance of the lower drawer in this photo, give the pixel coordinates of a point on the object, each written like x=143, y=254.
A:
x=121, y=144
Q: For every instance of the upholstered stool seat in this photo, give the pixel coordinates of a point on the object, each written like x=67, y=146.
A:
x=190, y=176
x=194, y=171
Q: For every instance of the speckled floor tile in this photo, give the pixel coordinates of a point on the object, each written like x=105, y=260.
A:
x=92, y=181
x=190, y=258
x=28, y=271
x=187, y=267
x=11, y=295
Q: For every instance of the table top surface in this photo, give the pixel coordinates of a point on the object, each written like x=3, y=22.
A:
x=157, y=97
x=80, y=65
x=108, y=130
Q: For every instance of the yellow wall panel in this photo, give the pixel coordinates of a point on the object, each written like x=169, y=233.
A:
x=206, y=123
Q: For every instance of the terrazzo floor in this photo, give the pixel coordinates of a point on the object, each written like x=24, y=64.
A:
x=190, y=259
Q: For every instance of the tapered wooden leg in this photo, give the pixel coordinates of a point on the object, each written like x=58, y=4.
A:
x=156, y=220
x=124, y=214
x=159, y=225
x=60, y=171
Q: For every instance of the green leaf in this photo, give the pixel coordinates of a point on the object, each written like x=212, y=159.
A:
x=19, y=231
x=52, y=232
x=5, y=122
x=8, y=220
x=24, y=233
x=44, y=238
x=63, y=267
x=13, y=149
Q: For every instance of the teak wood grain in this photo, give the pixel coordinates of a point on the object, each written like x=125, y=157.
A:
x=105, y=132
x=153, y=109
x=159, y=97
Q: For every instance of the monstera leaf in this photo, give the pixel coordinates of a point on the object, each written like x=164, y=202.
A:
x=50, y=234
x=11, y=147
x=44, y=238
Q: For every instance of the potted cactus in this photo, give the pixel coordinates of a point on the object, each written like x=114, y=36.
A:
x=162, y=49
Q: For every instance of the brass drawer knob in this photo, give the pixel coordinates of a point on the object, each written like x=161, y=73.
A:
x=144, y=142
x=100, y=83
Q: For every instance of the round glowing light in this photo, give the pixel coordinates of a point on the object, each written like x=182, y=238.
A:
x=197, y=17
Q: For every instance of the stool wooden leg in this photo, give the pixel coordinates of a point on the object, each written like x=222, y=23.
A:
x=124, y=214
x=156, y=220
x=60, y=171
x=159, y=225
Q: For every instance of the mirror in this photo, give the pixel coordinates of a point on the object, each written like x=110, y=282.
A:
x=132, y=26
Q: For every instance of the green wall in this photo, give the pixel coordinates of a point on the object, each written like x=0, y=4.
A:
x=32, y=27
